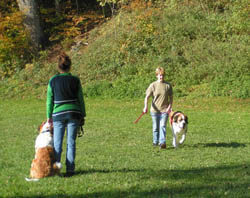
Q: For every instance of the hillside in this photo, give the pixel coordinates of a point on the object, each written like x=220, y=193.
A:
x=204, y=48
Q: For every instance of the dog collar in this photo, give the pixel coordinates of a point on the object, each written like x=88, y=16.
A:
x=46, y=131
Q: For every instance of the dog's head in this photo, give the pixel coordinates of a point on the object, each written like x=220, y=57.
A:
x=45, y=127
x=180, y=120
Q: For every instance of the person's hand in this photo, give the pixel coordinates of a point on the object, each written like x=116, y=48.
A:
x=50, y=121
x=82, y=121
x=145, y=110
x=169, y=110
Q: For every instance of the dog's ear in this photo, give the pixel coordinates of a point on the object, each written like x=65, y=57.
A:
x=51, y=128
x=186, y=119
x=40, y=126
x=175, y=118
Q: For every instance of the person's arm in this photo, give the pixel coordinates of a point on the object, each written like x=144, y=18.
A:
x=169, y=109
x=148, y=94
x=145, y=109
x=81, y=101
x=50, y=104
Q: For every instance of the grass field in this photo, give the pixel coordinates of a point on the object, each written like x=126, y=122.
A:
x=115, y=158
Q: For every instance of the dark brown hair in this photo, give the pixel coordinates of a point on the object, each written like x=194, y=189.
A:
x=64, y=62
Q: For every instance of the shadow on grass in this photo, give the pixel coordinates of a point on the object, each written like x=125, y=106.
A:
x=221, y=144
x=90, y=171
x=197, y=182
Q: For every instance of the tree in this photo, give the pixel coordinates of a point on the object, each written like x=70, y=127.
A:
x=32, y=22
x=58, y=6
x=113, y=5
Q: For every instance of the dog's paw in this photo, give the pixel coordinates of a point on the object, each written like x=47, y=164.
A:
x=59, y=165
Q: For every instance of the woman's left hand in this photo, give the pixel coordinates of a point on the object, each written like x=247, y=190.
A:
x=50, y=121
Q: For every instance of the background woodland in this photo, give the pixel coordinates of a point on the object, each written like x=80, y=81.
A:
x=115, y=46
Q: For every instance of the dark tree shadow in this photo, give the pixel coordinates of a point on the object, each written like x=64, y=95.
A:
x=221, y=144
x=92, y=171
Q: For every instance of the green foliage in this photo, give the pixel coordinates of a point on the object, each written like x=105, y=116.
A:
x=203, y=46
x=238, y=22
x=97, y=88
x=7, y=6
x=63, y=27
x=238, y=87
x=15, y=50
x=142, y=37
x=104, y=2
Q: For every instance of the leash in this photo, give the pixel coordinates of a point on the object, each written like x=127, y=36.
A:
x=171, y=118
x=46, y=131
x=80, y=132
x=139, y=118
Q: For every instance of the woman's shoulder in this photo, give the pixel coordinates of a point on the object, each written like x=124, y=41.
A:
x=66, y=75
x=75, y=76
x=51, y=78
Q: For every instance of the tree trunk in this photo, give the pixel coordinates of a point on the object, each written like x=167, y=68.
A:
x=58, y=7
x=32, y=22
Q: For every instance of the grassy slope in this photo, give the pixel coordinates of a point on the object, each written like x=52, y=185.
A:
x=201, y=55
x=115, y=157
x=205, y=51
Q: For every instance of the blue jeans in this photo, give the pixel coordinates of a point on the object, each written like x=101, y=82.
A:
x=159, y=127
x=59, y=131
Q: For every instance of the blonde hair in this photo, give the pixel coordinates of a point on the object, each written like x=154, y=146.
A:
x=160, y=70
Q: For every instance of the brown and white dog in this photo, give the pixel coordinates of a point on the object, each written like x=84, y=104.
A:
x=179, y=126
x=44, y=163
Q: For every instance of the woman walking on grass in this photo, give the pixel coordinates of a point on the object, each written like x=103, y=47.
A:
x=66, y=109
x=162, y=100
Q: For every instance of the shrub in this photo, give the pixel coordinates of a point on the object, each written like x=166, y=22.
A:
x=98, y=88
x=15, y=50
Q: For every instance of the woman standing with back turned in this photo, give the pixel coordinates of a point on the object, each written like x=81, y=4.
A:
x=66, y=109
x=162, y=101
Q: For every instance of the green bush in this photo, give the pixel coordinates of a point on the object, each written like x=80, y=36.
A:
x=98, y=88
x=235, y=87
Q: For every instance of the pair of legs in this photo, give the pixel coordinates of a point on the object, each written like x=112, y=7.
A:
x=59, y=130
x=159, y=128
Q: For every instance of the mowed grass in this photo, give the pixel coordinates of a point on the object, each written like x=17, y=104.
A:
x=115, y=158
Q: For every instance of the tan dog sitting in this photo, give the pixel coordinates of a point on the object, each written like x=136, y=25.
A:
x=44, y=163
x=179, y=126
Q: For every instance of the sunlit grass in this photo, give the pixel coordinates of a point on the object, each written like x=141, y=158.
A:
x=115, y=158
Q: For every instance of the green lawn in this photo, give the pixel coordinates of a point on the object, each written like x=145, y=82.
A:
x=115, y=158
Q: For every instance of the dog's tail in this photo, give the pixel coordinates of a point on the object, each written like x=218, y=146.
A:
x=31, y=179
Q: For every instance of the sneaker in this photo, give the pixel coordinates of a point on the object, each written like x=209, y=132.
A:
x=163, y=146
x=155, y=144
